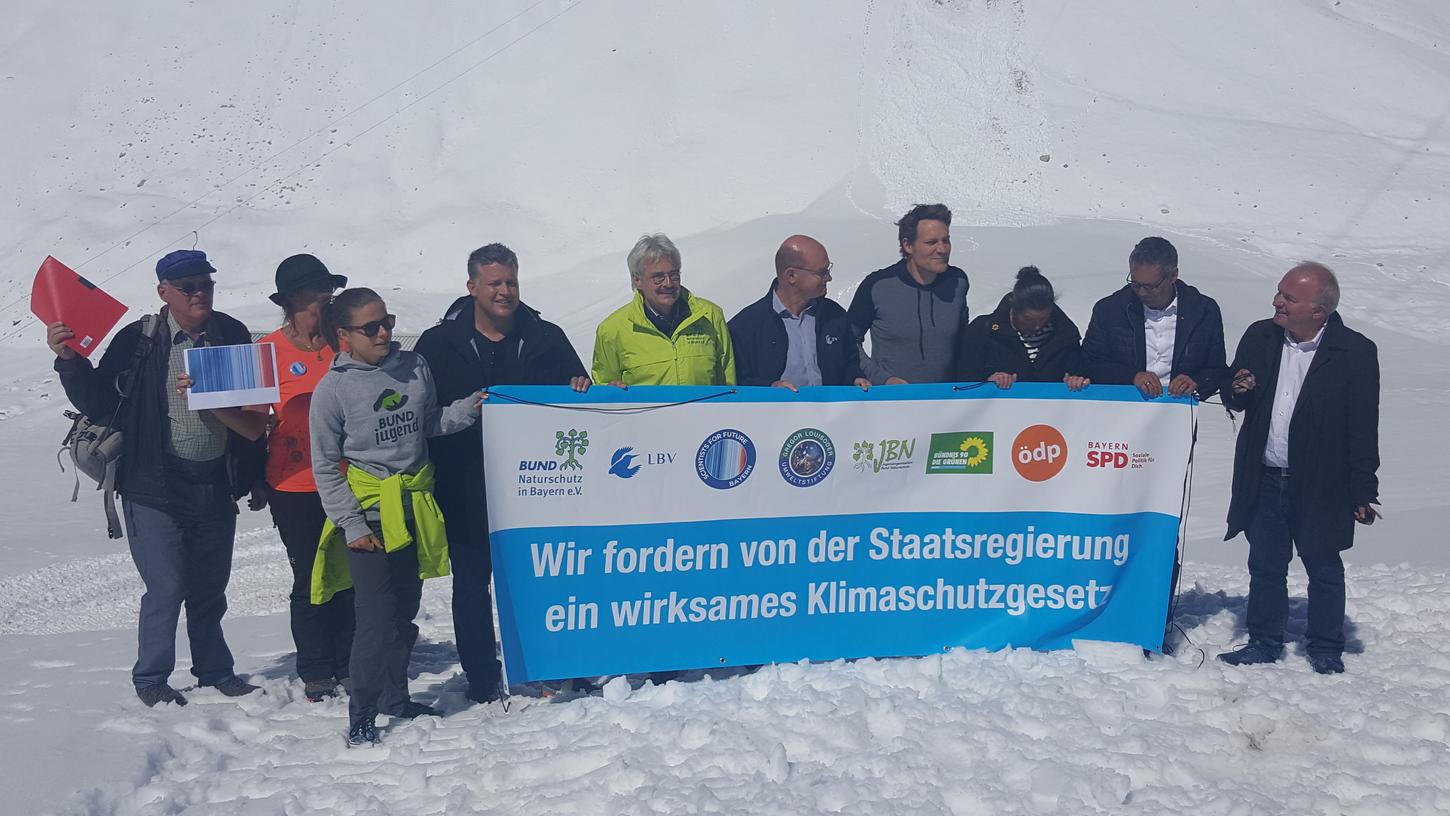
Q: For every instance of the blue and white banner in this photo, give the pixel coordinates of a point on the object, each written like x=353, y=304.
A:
x=631, y=533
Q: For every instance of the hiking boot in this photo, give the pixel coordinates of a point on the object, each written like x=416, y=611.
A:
x=413, y=709
x=484, y=692
x=1327, y=664
x=363, y=732
x=1253, y=654
x=234, y=686
x=319, y=690
x=162, y=693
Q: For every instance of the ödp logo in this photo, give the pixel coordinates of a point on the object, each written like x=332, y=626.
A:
x=1039, y=453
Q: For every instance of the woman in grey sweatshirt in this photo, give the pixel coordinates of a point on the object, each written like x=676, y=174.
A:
x=374, y=410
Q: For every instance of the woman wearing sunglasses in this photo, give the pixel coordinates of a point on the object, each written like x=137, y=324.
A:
x=374, y=410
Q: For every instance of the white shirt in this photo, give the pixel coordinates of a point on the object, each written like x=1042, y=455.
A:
x=1160, y=327
x=1294, y=362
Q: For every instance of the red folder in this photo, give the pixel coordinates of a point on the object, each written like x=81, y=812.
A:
x=61, y=295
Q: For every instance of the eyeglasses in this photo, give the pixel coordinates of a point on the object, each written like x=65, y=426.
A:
x=194, y=288
x=820, y=273
x=659, y=278
x=372, y=327
x=1148, y=287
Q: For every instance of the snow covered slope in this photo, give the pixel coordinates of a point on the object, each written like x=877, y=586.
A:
x=392, y=139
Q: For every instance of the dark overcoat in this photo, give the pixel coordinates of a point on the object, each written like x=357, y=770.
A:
x=1333, y=436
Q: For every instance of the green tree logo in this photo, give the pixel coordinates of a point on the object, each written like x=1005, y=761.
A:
x=571, y=445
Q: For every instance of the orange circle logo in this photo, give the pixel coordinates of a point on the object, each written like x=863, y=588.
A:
x=1039, y=453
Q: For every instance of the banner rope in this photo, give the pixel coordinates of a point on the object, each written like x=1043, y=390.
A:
x=627, y=411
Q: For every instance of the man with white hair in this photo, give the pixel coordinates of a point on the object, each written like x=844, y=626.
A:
x=666, y=335
x=1305, y=463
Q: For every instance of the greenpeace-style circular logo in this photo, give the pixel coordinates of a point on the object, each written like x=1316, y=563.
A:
x=725, y=459
x=807, y=457
x=1039, y=452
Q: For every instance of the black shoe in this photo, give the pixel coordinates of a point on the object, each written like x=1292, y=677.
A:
x=413, y=709
x=319, y=690
x=484, y=692
x=363, y=732
x=1327, y=664
x=234, y=686
x=162, y=693
x=1253, y=654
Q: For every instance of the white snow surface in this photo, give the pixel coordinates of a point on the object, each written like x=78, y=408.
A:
x=391, y=139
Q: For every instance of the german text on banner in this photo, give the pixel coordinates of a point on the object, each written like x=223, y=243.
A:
x=664, y=528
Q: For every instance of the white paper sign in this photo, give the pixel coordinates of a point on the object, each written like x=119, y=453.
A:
x=231, y=376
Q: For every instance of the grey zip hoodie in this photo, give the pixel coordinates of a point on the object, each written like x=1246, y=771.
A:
x=378, y=418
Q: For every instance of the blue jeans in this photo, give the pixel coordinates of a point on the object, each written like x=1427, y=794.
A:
x=184, y=556
x=1271, y=548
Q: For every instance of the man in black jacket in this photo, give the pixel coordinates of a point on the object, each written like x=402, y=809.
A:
x=1157, y=333
x=180, y=473
x=486, y=338
x=795, y=336
x=1306, y=460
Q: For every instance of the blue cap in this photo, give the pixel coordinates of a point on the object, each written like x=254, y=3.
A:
x=183, y=263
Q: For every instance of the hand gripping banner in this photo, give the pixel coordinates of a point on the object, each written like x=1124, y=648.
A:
x=665, y=528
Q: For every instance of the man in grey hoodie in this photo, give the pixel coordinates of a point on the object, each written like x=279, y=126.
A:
x=914, y=309
x=375, y=409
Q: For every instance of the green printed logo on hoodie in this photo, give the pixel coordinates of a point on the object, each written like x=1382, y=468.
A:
x=390, y=400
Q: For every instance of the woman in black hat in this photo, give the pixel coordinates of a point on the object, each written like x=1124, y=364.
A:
x=323, y=633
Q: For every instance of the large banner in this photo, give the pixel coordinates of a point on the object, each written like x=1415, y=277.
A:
x=690, y=527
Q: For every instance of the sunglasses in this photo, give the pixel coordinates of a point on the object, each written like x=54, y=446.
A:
x=372, y=327
x=194, y=288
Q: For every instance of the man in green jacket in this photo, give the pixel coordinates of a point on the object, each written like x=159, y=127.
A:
x=665, y=335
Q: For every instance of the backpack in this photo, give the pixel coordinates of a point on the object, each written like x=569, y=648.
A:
x=95, y=446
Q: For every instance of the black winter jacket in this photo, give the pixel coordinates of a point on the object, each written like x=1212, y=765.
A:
x=1115, y=347
x=94, y=391
x=1333, y=436
x=759, y=338
x=990, y=344
x=545, y=356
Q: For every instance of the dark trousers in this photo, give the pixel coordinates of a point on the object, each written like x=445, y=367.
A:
x=1271, y=548
x=473, y=606
x=387, y=592
x=322, y=633
x=184, y=556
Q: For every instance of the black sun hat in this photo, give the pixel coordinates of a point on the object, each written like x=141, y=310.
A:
x=303, y=272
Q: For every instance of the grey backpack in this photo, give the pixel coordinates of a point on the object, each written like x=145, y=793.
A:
x=95, y=446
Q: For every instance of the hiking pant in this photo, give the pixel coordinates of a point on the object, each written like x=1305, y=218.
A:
x=322, y=633
x=468, y=555
x=184, y=556
x=1271, y=548
x=386, y=595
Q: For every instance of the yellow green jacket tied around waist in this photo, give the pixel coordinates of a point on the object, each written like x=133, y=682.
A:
x=330, y=573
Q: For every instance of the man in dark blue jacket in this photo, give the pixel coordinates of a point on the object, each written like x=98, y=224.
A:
x=486, y=338
x=795, y=336
x=1157, y=333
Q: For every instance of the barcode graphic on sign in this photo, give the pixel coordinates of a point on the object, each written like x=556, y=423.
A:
x=231, y=376
x=232, y=368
